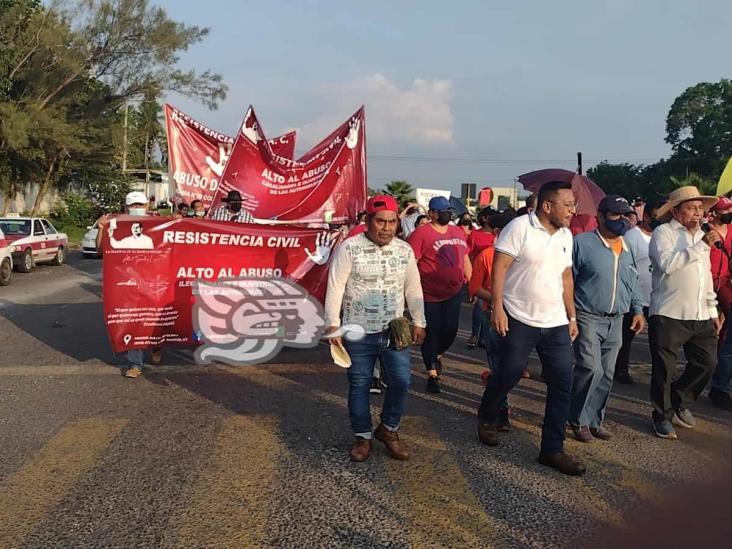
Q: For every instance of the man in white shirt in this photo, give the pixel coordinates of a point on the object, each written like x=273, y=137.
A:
x=637, y=239
x=683, y=311
x=370, y=277
x=533, y=307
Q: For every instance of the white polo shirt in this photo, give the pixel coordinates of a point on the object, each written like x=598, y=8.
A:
x=532, y=293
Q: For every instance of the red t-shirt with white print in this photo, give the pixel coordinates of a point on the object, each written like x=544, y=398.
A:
x=441, y=261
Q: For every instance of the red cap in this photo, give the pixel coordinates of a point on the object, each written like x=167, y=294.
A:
x=723, y=203
x=380, y=203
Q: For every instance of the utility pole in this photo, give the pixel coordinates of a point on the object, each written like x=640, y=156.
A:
x=579, y=163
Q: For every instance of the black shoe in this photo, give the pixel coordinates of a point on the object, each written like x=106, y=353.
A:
x=375, y=386
x=721, y=400
x=487, y=433
x=433, y=385
x=623, y=376
x=562, y=463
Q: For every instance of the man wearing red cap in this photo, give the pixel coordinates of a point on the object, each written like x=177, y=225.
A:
x=370, y=277
x=720, y=219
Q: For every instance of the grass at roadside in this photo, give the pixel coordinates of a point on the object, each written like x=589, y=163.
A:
x=75, y=234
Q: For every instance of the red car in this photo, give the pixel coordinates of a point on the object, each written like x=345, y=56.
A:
x=33, y=240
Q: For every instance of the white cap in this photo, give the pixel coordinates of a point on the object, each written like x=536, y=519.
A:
x=135, y=197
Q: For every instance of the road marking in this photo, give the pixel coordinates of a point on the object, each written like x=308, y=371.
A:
x=434, y=496
x=27, y=495
x=232, y=499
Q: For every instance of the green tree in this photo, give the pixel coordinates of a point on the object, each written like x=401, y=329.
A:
x=65, y=71
x=706, y=186
x=623, y=179
x=401, y=190
x=699, y=127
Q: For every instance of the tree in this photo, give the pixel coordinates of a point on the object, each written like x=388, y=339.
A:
x=623, y=179
x=401, y=190
x=65, y=71
x=699, y=127
x=706, y=186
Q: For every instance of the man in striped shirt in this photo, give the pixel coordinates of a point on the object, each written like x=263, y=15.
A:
x=232, y=210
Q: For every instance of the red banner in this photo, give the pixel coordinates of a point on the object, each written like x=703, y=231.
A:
x=151, y=264
x=328, y=184
x=197, y=155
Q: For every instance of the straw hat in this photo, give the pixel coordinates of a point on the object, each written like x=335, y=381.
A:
x=684, y=194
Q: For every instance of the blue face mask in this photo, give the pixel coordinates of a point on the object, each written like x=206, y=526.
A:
x=617, y=226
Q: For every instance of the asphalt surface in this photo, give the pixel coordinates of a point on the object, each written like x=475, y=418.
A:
x=217, y=456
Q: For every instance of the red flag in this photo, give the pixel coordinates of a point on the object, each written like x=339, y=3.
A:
x=197, y=155
x=327, y=184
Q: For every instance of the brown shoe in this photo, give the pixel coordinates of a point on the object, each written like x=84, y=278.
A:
x=601, y=433
x=394, y=446
x=156, y=355
x=361, y=449
x=562, y=463
x=487, y=433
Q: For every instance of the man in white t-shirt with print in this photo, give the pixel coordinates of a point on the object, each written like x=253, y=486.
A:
x=533, y=307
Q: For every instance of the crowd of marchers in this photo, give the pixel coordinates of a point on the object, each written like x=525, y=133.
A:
x=575, y=296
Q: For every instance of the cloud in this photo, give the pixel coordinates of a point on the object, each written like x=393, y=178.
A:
x=418, y=115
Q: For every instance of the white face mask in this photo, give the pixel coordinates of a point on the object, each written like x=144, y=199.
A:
x=200, y=214
x=136, y=211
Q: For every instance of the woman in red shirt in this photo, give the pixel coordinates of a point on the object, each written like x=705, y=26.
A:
x=477, y=242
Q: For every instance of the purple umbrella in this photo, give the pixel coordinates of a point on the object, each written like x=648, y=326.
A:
x=586, y=192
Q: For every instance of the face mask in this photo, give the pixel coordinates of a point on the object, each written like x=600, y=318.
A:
x=199, y=214
x=617, y=227
x=136, y=211
x=726, y=218
x=444, y=217
x=235, y=207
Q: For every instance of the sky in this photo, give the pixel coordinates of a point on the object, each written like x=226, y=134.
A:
x=462, y=91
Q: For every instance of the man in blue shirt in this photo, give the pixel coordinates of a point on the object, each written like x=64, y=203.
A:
x=605, y=288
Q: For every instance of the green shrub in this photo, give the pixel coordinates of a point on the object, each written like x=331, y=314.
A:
x=74, y=209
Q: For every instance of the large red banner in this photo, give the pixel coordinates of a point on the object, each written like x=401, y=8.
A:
x=151, y=265
x=328, y=184
x=197, y=155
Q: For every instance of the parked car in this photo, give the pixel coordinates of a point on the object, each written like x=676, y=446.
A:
x=89, y=242
x=33, y=240
x=6, y=261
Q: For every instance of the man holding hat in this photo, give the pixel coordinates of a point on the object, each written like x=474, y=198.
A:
x=232, y=210
x=683, y=311
x=370, y=277
x=441, y=250
x=605, y=288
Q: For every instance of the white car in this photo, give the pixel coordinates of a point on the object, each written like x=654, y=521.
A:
x=33, y=240
x=89, y=242
x=6, y=261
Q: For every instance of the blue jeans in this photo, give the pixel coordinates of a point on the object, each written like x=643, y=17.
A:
x=555, y=352
x=395, y=369
x=136, y=357
x=596, y=351
x=477, y=325
x=492, y=341
x=722, y=380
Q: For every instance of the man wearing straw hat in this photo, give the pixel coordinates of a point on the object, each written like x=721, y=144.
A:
x=683, y=310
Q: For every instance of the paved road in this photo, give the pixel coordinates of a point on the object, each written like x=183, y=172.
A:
x=216, y=456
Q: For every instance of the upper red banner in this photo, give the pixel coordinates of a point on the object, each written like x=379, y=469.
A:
x=327, y=184
x=197, y=155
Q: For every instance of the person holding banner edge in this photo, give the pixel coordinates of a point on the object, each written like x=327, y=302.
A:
x=136, y=205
